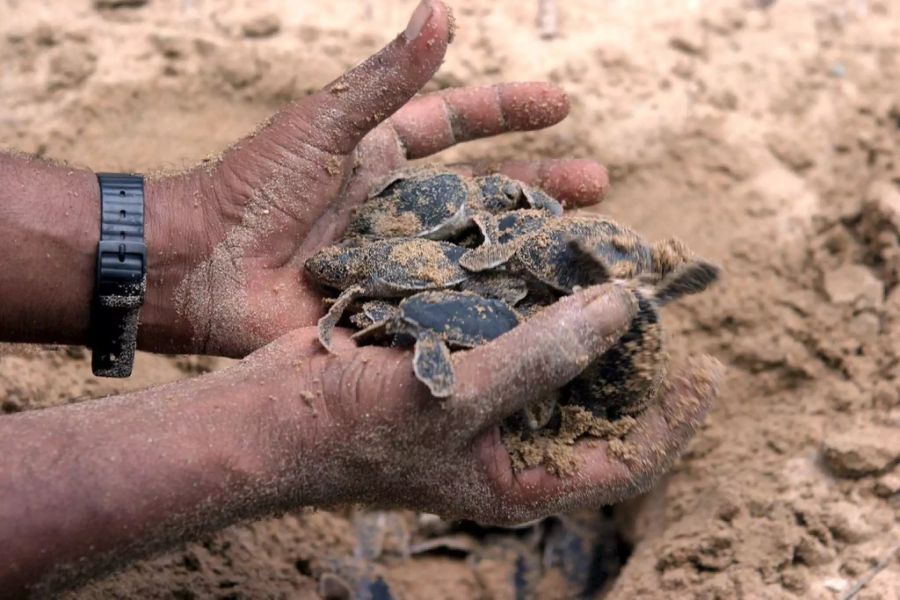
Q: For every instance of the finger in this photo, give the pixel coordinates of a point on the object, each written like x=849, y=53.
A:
x=434, y=122
x=610, y=472
x=335, y=119
x=574, y=182
x=539, y=356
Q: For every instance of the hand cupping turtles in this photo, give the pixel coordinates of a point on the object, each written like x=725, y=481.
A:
x=442, y=262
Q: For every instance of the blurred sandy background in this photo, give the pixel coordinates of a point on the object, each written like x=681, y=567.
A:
x=766, y=134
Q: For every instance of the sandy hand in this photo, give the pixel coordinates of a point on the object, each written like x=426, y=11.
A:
x=381, y=439
x=231, y=279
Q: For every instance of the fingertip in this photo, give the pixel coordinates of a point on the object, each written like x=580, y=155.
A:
x=576, y=182
x=610, y=305
x=346, y=109
x=689, y=393
x=597, y=315
x=598, y=293
x=431, y=27
x=612, y=470
x=707, y=374
x=530, y=106
x=551, y=348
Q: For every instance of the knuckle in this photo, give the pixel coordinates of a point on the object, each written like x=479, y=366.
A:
x=456, y=130
x=396, y=378
x=334, y=379
x=497, y=91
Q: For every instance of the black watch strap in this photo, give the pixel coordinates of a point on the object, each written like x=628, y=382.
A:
x=121, y=274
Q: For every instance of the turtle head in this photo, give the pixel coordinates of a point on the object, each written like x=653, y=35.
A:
x=334, y=266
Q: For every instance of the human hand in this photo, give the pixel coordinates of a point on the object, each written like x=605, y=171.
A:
x=226, y=277
x=293, y=425
x=370, y=432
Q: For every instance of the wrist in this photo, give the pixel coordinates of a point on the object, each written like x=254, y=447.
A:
x=177, y=238
x=49, y=230
x=277, y=422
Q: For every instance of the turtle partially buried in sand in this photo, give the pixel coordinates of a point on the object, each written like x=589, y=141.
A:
x=441, y=262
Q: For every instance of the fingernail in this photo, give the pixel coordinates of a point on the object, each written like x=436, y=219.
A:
x=419, y=17
x=607, y=299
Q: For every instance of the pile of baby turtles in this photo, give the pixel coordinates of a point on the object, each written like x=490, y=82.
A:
x=441, y=262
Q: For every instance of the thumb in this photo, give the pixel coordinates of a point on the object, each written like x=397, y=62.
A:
x=337, y=117
x=549, y=349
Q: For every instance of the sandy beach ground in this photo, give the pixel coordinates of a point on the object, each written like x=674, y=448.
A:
x=767, y=137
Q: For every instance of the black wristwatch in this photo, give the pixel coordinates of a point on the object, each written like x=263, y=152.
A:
x=121, y=274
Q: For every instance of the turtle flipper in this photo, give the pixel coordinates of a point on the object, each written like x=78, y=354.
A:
x=432, y=364
x=486, y=256
x=385, y=182
x=497, y=284
x=541, y=201
x=327, y=323
x=590, y=267
x=668, y=254
x=487, y=226
x=375, y=330
x=372, y=312
x=690, y=278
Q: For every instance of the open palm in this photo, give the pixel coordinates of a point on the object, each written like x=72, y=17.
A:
x=287, y=190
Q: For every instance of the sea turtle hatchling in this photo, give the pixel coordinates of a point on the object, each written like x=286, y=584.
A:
x=532, y=243
x=390, y=268
x=577, y=251
x=499, y=194
x=440, y=205
x=459, y=294
x=615, y=251
x=503, y=235
x=628, y=376
x=424, y=203
x=562, y=254
x=439, y=321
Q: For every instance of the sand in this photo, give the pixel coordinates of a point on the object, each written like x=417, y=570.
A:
x=767, y=140
x=554, y=450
